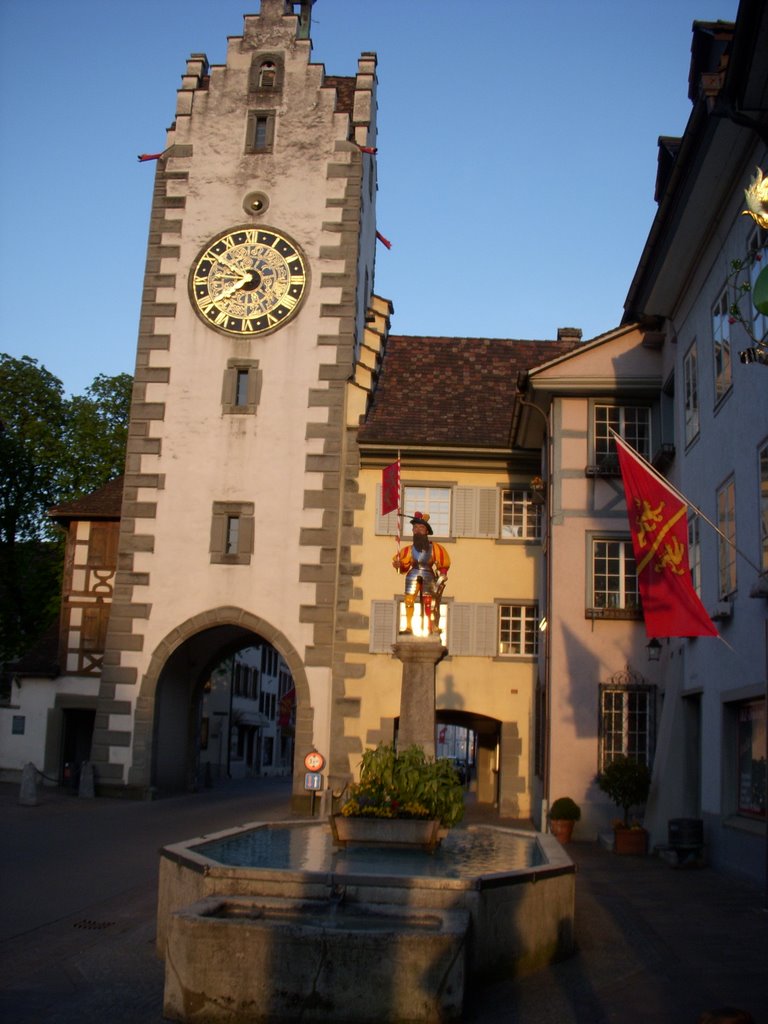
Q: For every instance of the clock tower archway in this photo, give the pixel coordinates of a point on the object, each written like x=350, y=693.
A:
x=178, y=669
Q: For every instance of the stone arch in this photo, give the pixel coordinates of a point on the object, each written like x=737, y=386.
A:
x=232, y=626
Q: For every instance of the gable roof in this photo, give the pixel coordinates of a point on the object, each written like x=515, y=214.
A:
x=105, y=503
x=450, y=392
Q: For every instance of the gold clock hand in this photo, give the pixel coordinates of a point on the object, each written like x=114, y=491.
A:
x=234, y=287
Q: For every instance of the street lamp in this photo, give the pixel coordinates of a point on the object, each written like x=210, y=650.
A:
x=654, y=649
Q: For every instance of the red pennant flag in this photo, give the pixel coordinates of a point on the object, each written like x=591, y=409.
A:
x=367, y=149
x=143, y=157
x=383, y=240
x=390, y=488
x=659, y=526
x=287, y=704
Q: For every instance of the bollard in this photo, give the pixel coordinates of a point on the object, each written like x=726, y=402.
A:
x=87, y=788
x=28, y=791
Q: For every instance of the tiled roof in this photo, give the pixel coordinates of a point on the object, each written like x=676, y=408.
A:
x=456, y=392
x=105, y=503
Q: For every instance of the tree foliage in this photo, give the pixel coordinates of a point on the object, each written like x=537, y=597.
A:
x=95, y=434
x=32, y=417
x=52, y=449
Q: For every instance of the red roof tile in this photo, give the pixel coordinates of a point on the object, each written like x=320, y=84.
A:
x=105, y=503
x=451, y=392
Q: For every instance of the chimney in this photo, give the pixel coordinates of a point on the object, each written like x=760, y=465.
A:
x=569, y=334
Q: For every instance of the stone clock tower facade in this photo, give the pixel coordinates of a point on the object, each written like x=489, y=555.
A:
x=240, y=476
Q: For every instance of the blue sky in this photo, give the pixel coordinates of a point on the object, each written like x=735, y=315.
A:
x=517, y=157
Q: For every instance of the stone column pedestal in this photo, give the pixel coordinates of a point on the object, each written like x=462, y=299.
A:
x=419, y=656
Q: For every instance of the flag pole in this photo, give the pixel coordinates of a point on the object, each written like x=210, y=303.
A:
x=399, y=533
x=686, y=501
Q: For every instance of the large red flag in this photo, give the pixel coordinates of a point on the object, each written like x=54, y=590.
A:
x=659, y=526
x=390, y=488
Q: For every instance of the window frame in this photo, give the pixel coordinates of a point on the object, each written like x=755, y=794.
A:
x=223, y=513
x=260, y=63
x=522, y=506
x=254, y=118
x=721, y=346
x=605, y=456
x=691, y=409
x=427, y=504
x=630, y=606
x=744, y=714
x=230, y=392
x=526, y=615
x=627, y=688
x=694, y=552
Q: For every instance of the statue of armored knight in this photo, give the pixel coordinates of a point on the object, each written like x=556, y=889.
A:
x=425, y=564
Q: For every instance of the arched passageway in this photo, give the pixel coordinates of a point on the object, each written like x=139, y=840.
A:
x=187, y=736
x=483, y=740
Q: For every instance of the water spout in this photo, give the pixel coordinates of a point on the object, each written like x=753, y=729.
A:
x=337, y=894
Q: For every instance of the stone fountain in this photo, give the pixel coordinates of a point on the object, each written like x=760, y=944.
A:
x=273, y=923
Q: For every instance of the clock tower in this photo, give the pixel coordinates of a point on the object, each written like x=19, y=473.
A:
x=240, y=483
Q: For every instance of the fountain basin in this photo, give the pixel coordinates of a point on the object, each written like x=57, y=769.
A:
x=516, y=887
x=258, y=959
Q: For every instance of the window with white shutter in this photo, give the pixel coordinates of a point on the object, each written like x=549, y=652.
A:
x=475, y=512
x=472, y=629
x=383, y=631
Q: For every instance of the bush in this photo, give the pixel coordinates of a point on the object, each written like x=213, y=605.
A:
x=626, y=782
x=564, y=809
x=406, y=784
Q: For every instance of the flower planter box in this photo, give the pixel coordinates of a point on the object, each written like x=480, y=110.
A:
x=416, y=833
x=631, y=841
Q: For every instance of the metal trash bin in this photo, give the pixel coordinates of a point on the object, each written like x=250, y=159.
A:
x=686, y=833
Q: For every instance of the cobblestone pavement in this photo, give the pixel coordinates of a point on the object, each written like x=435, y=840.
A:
x=77, y=921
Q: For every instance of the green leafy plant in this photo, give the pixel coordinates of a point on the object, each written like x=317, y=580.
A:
x=564, y=809
x=626, y=782
x=406, y=784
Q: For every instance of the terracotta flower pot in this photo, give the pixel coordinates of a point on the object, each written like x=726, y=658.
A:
x=632, y=841
x=562, y=829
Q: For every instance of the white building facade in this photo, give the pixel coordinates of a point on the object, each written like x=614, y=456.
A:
x=711, y=752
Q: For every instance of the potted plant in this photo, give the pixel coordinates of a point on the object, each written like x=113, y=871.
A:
x=402, y=798
x=627, y=783
x=563, y=815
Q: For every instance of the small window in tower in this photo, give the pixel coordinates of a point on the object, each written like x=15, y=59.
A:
x=260, y=131
x=267, y=75
x=233, y=535
x=241, y=389
x=232, y=532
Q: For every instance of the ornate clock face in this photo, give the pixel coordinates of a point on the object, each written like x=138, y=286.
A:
x=248, y=281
